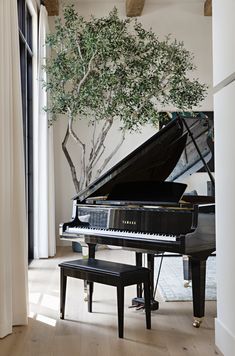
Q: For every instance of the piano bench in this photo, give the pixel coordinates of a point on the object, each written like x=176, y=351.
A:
x=111, y=273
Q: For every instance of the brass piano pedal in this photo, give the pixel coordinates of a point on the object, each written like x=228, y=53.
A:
x=140, y=307
x=197, y=322
x=139, y=303
x=132, y=306
x=136, y=306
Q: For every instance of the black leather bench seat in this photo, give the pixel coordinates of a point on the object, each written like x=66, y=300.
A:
x=104, y=267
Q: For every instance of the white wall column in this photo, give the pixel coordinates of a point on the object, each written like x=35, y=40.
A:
x=225, y=218
x=224, y=108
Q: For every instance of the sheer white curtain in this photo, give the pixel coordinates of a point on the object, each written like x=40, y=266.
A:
x=44, y=209
x=13, y=237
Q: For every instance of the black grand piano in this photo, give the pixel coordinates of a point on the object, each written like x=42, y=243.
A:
x=140, y=204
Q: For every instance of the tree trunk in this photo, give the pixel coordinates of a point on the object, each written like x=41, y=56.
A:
x=70, y=162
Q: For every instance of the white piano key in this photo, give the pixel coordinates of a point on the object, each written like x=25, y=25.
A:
x=118, y=233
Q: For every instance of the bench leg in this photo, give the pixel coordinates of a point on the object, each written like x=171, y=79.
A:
x=147, y=304
x=63, y=284
x=120, y=303
x=90, y=292
x=139, y=263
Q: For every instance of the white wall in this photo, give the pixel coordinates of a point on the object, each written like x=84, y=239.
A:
x=224, y=40
x=185, y=21
x=225, y=212
x=224, y=80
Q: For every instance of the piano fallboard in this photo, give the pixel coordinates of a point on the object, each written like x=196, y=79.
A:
x=153, y=229
x=163, y=220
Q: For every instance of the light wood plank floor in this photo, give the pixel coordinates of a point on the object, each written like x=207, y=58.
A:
x=95, y=334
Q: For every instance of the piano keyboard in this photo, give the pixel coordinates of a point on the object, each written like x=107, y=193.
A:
x=119, y=234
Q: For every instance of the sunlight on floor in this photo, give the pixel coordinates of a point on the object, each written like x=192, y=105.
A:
x=46, y=301
x=44, y=319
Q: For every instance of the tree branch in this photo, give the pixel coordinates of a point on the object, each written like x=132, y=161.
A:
x=106, y=161
x=83, y=146
x=100, y=140
x=98, y=157
x=98, y=148
x=80, y=55
x=87, y=72
x=70, y=162
x=89, y=172
x=93, y=141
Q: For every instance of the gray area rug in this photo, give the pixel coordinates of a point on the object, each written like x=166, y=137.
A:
x=171, y=282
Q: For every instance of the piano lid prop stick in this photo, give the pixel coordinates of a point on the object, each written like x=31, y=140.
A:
x=199, y=152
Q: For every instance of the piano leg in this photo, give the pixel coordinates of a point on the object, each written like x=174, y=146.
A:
x=198, y=269
x=91, y=250
x=150, y=264
x=88, y=251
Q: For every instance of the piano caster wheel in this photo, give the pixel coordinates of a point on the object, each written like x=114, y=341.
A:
x=187, y=284
x=197, y=322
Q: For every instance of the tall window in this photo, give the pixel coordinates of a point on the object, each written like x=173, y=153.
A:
x=26, y=65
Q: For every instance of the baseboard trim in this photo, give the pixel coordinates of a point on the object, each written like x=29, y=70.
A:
x=224, y=340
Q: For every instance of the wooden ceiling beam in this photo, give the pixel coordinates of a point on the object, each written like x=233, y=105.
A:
x=208, y=8
x=52, y=7
x=134, y=7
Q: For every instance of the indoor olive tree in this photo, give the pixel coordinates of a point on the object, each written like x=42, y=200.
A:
x=106, y=69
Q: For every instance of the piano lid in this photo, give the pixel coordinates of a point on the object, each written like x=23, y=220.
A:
x=169, y=155
x=153, y=161
x=190, y=160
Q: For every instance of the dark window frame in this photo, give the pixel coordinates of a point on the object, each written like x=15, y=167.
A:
x=26, y=67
